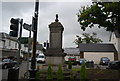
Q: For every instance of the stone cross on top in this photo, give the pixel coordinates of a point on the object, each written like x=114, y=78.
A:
x=56, y=20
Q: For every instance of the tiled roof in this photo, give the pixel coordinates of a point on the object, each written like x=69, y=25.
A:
x=72, y=51
x=97, y=48
x=5, y=35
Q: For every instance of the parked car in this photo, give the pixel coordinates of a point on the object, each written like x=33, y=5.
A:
x=104, y=61
x=8, y=63
x=81, y=60
x=30, y=59
x=40, y=58
x=114, y=65
x=73, y=60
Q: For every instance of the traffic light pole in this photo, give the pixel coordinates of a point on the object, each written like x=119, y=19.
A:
x=19, y=42
x=13, y=73
x=33, y=60
x=28, y=55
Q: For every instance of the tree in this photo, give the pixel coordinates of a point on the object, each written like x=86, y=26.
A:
x=87, y=38
x=105, y=14
x=38, y=73
x=49, y=76
x=59, y=73
x=69, y=65
x=83, y=76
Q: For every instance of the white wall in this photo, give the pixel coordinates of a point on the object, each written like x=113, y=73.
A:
x=116, y=42
x=95, y=56
x=118, y=48
x=23, y=48
x=1, y=44
x=10, y=44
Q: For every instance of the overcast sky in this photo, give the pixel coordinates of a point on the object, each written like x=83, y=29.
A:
x=67, y=16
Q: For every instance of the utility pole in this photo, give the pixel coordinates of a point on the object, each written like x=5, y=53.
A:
x=33, y=60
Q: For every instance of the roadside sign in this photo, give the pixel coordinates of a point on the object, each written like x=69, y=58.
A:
x=27, y=27
x=24, y=40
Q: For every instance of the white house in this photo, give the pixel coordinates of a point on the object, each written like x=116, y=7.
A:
x=2, y=42
x=115, y=39
x=94, y=52
x=8, y=42
x=8, y=45
x=1, y=46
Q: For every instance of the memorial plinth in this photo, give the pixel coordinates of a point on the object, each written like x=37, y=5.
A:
x=55, y=54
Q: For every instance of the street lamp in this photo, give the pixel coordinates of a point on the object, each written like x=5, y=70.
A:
x=33, y=60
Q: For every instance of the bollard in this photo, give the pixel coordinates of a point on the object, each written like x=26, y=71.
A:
x=13, y=74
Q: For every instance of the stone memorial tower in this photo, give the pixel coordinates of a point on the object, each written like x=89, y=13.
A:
x=55, y=54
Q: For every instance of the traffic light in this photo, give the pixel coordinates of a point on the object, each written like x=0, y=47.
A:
x=14, y=27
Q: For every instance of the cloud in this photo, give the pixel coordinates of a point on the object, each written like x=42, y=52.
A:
x=0, y=16
x=22, y=10
x=67, y=16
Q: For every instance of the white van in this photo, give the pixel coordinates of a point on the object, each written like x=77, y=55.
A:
x=40, y=58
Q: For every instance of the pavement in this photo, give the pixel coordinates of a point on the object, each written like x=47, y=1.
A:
x=22, y=71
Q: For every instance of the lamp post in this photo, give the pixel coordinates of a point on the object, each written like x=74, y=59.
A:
x=33, y=60
x=29, y=28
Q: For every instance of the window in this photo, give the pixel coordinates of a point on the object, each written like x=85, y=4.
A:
x=9, y=42
x=16, y=45
x=4, y=44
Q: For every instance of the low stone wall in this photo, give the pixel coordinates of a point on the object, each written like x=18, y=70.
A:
x=103, y=74
x=92, y=75
x=44, y=67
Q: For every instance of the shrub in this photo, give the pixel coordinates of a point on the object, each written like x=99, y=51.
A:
x=69, y=65
x=83, y=72
x=66, y=62
x=38, y=73
x=59, y=73
x=49, y=75
x=71, y=76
